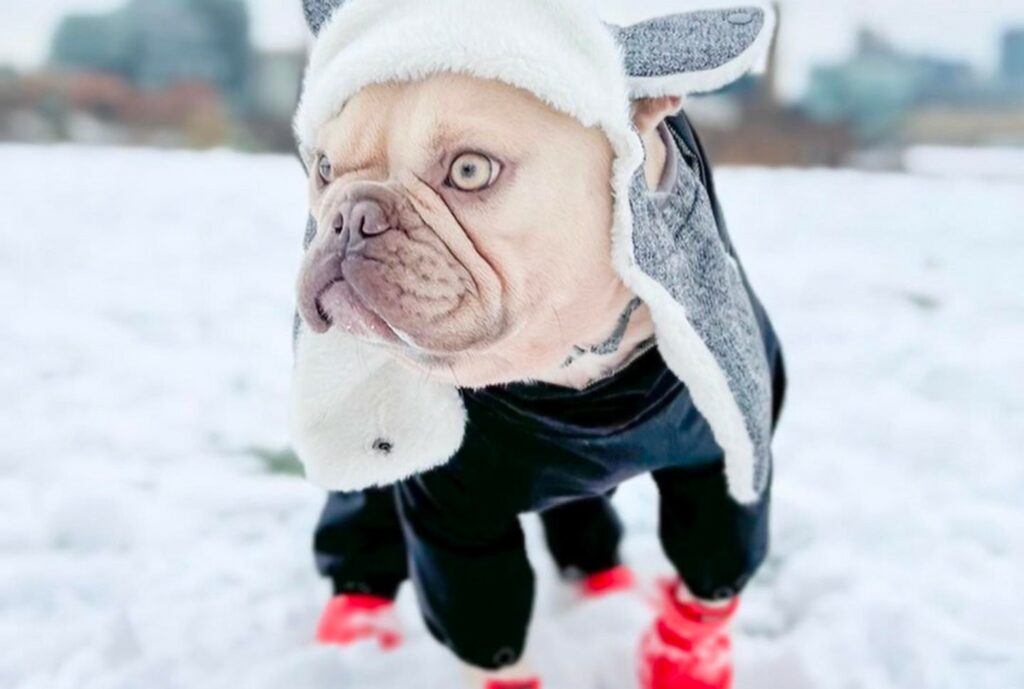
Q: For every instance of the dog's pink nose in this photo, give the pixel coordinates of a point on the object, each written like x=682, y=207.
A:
x=362, y=218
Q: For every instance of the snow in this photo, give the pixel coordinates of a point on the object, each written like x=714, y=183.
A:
x=999, y=163
x=145, y=542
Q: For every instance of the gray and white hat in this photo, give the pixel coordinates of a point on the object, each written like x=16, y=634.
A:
x=360, y=419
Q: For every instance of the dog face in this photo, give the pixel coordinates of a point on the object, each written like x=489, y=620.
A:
x=464, y=225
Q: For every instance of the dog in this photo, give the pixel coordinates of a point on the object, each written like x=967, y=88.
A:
x=504, y=309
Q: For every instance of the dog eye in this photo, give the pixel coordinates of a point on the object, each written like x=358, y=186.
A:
x=324, y=169
x=473, y=172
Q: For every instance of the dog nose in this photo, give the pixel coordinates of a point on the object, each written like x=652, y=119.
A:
x=362, y=218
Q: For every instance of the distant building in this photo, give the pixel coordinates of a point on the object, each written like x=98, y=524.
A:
x=1012, y=62
x=992, y=114
x=161, y=72
x=876, y=87
x=158, y=44
x=93, y=43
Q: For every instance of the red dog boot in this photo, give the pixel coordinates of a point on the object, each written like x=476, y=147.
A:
x=513, y=684
x=689, y=645
x=348, y=619
x=615, y=580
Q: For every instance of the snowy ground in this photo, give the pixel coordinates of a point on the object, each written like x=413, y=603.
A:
x=150, y=539
x=994, y=163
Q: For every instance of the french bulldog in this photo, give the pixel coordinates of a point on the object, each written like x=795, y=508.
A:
x=519, y=292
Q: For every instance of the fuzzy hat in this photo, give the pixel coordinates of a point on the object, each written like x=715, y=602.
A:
x=360, y=419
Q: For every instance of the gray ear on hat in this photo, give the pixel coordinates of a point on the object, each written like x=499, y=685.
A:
x=676, y=55
x=695, y=52
x=318, y=12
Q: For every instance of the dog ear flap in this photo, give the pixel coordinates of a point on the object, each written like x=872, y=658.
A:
x=695, y=52
x=318, y=12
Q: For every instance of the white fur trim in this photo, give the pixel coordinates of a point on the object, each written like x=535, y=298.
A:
x=707, y=80
x=347, y=397
x=680, y=345
x=560, y=51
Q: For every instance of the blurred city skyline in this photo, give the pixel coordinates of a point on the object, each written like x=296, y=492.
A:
x=813, y=31
x=197, y=74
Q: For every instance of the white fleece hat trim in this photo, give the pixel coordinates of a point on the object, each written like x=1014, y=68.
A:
x=560, y=51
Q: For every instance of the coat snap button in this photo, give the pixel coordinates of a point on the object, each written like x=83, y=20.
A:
x=505, y=657
x=740, y=18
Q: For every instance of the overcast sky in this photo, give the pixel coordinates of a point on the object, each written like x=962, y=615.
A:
x=812, y=30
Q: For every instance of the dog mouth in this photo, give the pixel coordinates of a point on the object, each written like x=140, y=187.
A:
x=402, y=288
x=327, y=300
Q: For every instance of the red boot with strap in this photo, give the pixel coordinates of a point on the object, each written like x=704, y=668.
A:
x=349, y=619
x=689, y=645
x=615, y=580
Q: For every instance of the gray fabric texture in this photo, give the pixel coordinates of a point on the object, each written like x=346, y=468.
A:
x=319, y=11
x=691, y=42
x=676, y=241
x=310, y=232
